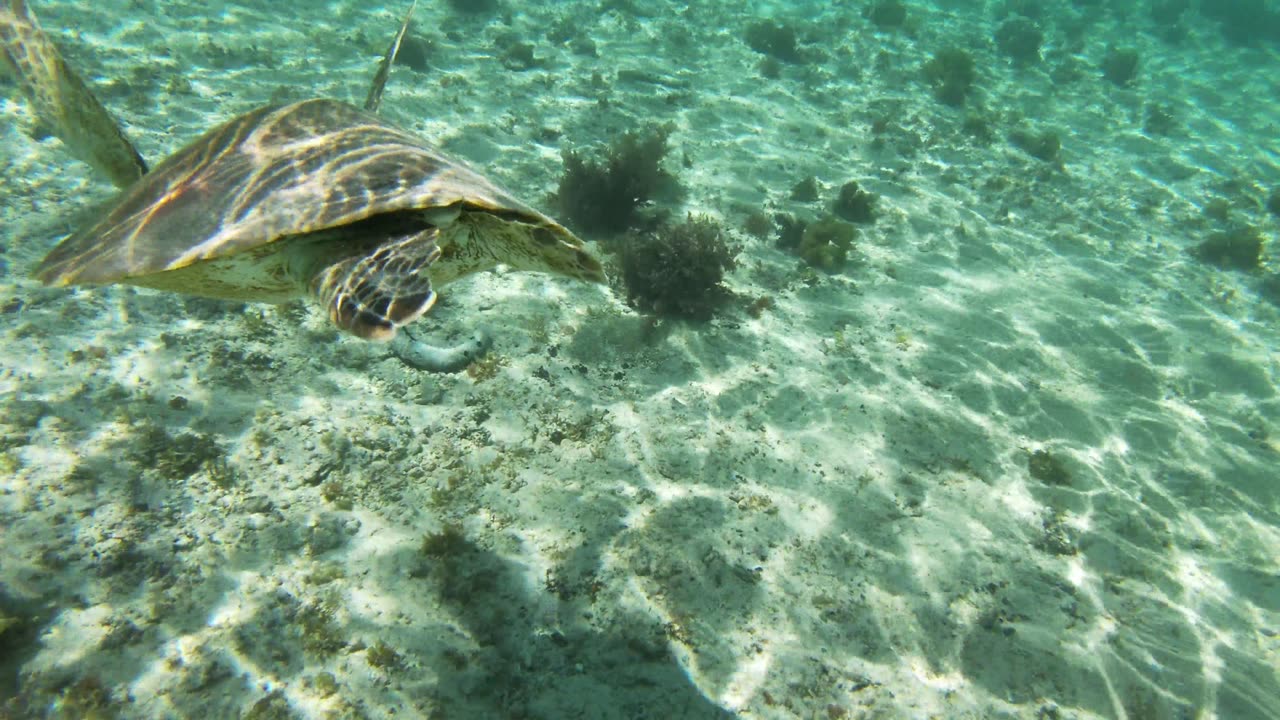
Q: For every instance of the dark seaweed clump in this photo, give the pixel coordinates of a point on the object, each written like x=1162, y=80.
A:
x=1246, y=22
x=174, y=456
x=1033, y=9
x=790, y=231
x=855, y=204
x=20, y=625
x=1273, y=202
x=474, y=7
x=1269, y=288
x=514, y=52
x=951, y=73
x=1159, y=120
x=775, y=40
x=415, y=51
x=806, y=190
x=677, y=269
x=1020, y=39
x=1043, y=145
x=886, y=14
x=978, y=126
x=1236, y=249
x=825, y=244
x=1048, y=468
x=1120, y=66
x=1217, y=209
x=758, y=225
x=1168, y=14
x=604, y=195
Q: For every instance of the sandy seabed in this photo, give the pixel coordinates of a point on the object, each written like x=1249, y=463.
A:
x=1018, y=460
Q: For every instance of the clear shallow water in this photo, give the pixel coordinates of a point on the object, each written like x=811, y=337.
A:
x=1015, y=458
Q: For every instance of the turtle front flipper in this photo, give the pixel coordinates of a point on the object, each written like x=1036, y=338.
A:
x=373, y=295
x=61, y=100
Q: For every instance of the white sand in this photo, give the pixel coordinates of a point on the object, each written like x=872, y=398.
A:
x=826, y=511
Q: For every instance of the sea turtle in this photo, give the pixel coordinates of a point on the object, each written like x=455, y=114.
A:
x=314, y=198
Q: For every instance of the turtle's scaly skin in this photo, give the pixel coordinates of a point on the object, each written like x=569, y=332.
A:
x=61, y=99
x=255, y=208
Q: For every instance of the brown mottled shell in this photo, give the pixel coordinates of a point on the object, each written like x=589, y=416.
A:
x=275, y=172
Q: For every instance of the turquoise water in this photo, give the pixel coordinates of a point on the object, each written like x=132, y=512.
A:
x=935, y=376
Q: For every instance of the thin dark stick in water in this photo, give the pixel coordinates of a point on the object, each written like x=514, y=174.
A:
x=384, y=70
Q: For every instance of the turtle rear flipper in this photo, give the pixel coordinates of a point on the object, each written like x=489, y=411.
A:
x=61, y=100
x=372, y=296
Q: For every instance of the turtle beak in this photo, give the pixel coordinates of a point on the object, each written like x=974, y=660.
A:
x=566, y=254
x=587, y=268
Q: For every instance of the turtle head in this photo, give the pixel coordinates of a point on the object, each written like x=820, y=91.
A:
x=561, y=252
x=480, y=239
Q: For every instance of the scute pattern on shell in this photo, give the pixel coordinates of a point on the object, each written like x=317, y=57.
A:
x=277, y=171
